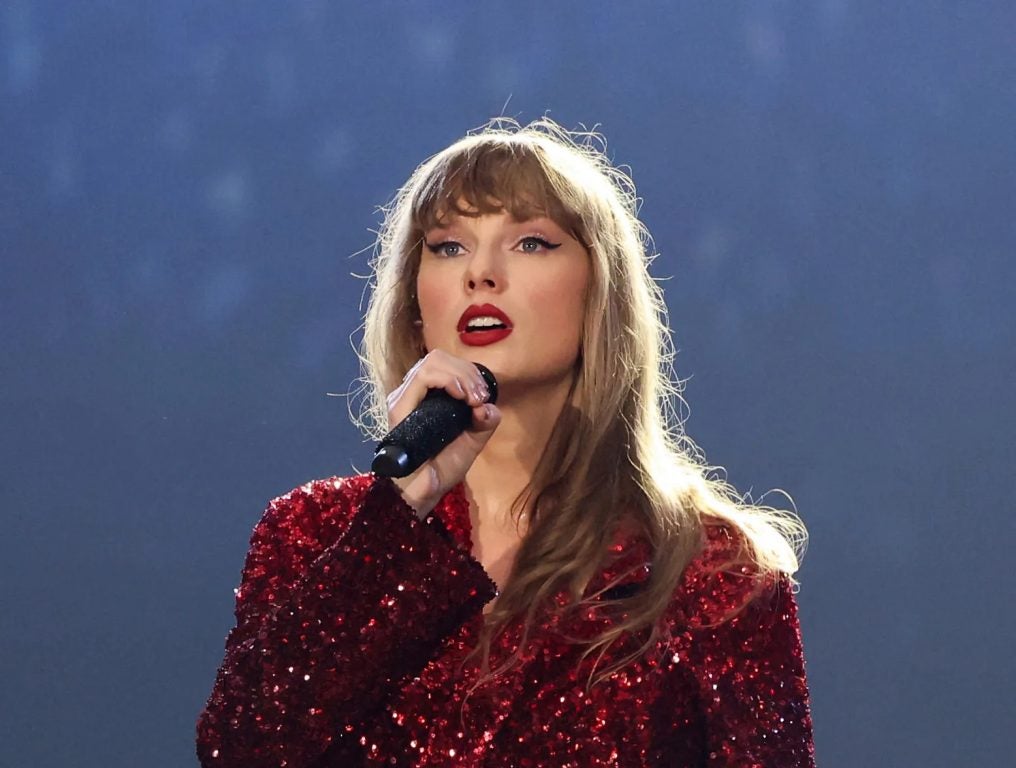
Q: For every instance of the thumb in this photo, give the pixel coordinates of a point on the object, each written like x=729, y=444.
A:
x=486, y=417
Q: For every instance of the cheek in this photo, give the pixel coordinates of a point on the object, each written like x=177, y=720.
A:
x=563, y=306
x=425, y=288
x=438, y=298
x=431, y=296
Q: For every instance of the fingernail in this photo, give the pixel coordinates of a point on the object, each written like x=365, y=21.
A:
x=488, y=412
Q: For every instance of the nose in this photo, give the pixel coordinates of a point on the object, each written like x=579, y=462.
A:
x=484, y=270
x=487, y=282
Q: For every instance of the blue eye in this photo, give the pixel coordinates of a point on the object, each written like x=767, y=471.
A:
x=537, y=241
x=447, y=249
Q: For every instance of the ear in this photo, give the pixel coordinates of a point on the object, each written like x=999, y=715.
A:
x=421, y=347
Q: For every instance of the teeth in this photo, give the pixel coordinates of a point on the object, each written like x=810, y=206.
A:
x=484, y=322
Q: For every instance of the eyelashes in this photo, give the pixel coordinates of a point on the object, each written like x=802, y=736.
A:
x=442, y=249
x=541, y=242
x=439, y=248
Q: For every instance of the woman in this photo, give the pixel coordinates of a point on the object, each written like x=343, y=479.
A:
x=566, y=583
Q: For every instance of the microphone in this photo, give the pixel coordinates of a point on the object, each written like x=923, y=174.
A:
x=435, y=422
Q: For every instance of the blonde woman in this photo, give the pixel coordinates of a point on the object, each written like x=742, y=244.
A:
x=566, y=583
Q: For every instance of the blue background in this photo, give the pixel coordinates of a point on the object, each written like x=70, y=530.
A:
x=187, y=188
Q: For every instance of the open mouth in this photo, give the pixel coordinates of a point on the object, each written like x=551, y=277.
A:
x=483, y=324
x=478, y=324
x=481, y=330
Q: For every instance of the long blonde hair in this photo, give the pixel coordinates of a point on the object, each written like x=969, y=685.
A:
x=619, y=447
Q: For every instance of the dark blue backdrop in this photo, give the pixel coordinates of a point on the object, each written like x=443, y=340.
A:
x=188, y=187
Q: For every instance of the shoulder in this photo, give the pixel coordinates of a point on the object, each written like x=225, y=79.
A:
x=721, y=580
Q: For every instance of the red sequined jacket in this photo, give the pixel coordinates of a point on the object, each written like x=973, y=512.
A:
x=354, y=617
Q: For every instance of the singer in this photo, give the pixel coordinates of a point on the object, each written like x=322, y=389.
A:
x=566, y=582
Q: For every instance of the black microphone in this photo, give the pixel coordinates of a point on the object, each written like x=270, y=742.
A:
x=435, y=422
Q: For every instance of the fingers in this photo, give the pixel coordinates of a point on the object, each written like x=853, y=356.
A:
x=422, y=489
x=460, y=379
x=437, y=370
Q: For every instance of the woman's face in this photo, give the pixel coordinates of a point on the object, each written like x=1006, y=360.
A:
x=508, y=294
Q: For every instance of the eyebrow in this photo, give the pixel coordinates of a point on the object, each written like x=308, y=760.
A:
x=544, y=219
x=512, y=222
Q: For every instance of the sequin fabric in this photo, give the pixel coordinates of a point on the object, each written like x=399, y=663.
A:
x=354, y=620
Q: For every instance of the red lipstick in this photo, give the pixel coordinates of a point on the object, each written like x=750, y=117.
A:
x=497, y=326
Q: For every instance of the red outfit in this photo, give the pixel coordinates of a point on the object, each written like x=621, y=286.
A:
x=354, y=618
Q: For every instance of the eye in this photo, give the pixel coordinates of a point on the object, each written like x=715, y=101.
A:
x=533, y=244
x=446, y=249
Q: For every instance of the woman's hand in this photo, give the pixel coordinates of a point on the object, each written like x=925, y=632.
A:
x=460, y=379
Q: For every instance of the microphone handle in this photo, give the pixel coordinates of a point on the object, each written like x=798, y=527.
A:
x=435, y=422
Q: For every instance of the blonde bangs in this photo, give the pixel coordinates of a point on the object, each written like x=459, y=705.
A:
x=492, y=177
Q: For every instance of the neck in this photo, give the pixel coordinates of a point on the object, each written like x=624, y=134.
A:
x=508, y=461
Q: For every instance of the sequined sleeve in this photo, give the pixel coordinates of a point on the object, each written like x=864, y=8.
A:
x=751, y=680
x=344, y=593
